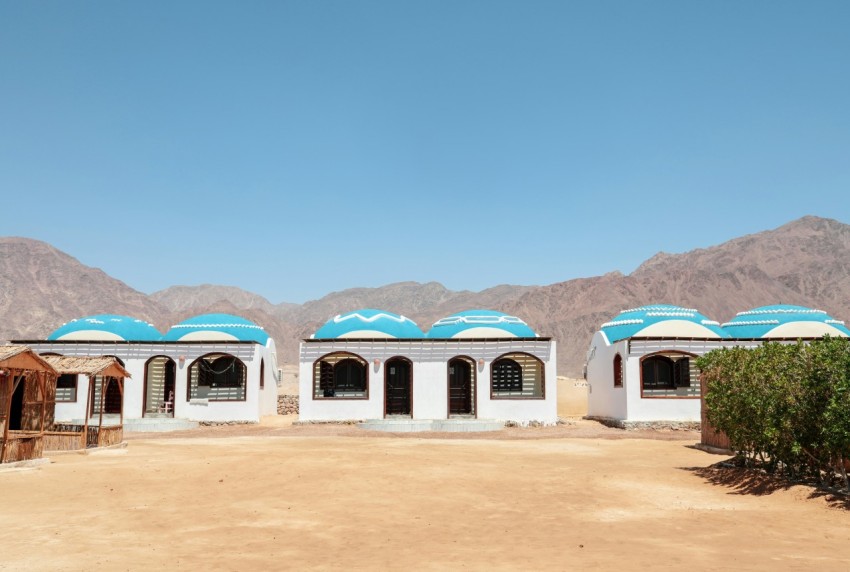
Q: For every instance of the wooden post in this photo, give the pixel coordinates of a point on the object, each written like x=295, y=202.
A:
x=86, y=413
x=42, y=376
x=121, y=389
x=104, y=384
x=8, y=415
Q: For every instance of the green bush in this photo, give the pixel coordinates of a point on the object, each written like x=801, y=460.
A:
x=784, y=405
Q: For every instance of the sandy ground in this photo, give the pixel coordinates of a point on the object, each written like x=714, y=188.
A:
x=278, y=496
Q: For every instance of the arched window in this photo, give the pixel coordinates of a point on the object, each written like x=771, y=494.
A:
x=618, y=371
x=517, y=375
x=668, y=374
x=262, y=374
x=217, y=377
x=340, y=375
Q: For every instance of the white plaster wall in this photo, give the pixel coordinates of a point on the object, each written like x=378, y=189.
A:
x=430, y=390
x=74, y=410
x=603, y=399
x=135, y=355
x=655, y=408
x=219, y=411
x=134, y=388
x=268, y=395
x=430, y=379
x=521, y=410
x=310, y=409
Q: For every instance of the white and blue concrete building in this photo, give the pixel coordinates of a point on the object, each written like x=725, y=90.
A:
x=212, y=367
x=784, y=322
x=479, y=364
x=640, y=365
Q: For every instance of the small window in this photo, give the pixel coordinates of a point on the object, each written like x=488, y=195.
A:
x=262, y=374
x=507, y=376
x=66, y=388
x=517, y=376
x=618, y=371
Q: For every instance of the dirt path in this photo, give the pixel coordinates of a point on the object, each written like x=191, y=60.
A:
x=277, y=497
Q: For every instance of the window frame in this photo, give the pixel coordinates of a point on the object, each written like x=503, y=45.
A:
x=541, y=367
x=318, y=392
x=76, y=388
x=674, y=386
x=244, y=381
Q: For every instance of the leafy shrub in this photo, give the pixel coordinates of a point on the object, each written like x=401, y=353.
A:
x=784, y=405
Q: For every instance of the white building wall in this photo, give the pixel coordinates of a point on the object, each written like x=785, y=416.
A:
x=655, y=408
x=430, y=378
x=430, y=390
x=340, y=409
x=71, y=410
x=603, y=399
x=626, y=403
x=136, y=354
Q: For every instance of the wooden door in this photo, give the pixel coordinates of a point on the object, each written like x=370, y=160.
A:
x=397, y=387
x=460, y=387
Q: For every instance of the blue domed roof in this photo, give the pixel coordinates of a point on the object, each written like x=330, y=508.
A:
x=216, y=328
x=480, y=324
x=369, y=323
x=106, y=327
x=661, y=321
x=784, y=321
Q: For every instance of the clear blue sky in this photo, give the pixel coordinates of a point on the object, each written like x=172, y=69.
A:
x=294, y=148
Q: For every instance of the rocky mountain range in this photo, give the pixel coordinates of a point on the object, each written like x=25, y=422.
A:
x=805, y=262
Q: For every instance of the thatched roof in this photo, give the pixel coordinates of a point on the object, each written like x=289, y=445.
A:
x=103, y=365
x=22, y=357
x=7, y=352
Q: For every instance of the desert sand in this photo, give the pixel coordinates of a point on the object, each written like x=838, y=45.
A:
x=278, y=496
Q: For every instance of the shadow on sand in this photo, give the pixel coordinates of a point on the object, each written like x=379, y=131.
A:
x=757, y=482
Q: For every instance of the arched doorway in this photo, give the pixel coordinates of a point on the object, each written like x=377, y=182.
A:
x=160, y=372
x=461, y=386
x=398, y=384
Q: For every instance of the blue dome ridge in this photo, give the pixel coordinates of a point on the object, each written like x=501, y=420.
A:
x=112, y=327
x=369, y=323
x=217, y=327
x=480, y=324
x=661, y=320
x=784, y=321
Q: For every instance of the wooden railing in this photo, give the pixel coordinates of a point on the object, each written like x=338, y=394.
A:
x=22, y=446
x=111, y=436
x=68, y=437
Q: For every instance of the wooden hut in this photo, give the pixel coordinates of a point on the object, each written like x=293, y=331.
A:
x=27, y=394
x=105, y=395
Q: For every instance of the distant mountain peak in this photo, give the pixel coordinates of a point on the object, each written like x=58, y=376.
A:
x=805, y=262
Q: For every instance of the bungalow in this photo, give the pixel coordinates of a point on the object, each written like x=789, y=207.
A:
x=213, y=367
x=640, y=365
x=479, y=364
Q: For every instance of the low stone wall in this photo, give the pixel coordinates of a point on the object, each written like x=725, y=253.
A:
x=287, y=404
x=666, y=425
